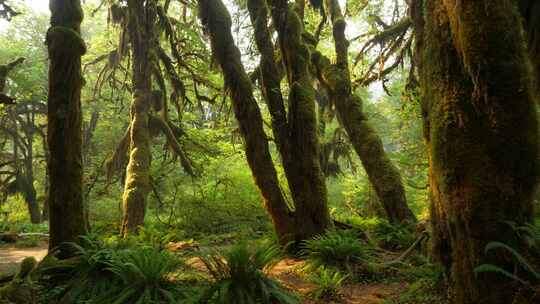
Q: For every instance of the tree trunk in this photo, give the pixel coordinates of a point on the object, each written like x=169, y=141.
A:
x=137, y=184
x=64, y=122
x=530, y=11
x=296, y=135
x=307, y=181
x=382, y=174
x=216, y=19
x=31, y=201
x=481, y=128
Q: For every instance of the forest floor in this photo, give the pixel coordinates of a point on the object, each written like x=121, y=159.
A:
x=12, y=255
x=369, y=293
x=285, y=271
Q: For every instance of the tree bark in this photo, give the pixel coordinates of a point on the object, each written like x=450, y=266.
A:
x=382, y=174
x=481, y=128
x=45, y=210
x=65, y=47
x=137, y=185
x=530, y=11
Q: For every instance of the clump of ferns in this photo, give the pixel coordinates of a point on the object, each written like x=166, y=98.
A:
x=241, y=275
x=340, y=250
x=101, y=273
x=525, y=268
x=327, y=284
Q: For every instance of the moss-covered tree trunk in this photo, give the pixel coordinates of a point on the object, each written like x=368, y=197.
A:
x=382, y=174
x=307, y=181
x=64, y=138
x=295, y=130
x=137, y=184
x=217, y=21
x=481, y=129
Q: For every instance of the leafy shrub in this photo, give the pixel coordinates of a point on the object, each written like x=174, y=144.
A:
x=241, y=276
x=327, y=284
x=337, y=248
x=102, y=273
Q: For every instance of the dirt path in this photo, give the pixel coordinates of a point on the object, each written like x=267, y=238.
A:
x=11, y=256
x=373, y=293
x=287, y=272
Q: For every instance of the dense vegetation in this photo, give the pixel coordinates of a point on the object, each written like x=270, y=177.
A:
x=270, y=151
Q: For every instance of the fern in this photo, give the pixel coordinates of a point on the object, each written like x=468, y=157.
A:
x=338, y=249
x=520, y=261
x=497, y=269
x=101, y=274
x=327, y=284
x=241, y=276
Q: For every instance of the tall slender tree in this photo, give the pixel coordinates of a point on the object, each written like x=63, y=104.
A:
x=65, y=46
x=480, y=124
x=141, y=19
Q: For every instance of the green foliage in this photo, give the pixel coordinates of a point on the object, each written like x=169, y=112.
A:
x=241, y=276
x=19, y=227
x=394, y=237
x=337, y=249
x=327, y=284
x=384, y=234
x=427, y=285
x=145, y=276
x=101, y=273
x=518, y=259
x=29, y=241
x=529, y=275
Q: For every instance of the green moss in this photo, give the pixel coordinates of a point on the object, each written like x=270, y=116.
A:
x=65, y=40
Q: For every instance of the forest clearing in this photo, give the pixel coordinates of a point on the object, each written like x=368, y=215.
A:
x=269, y=152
